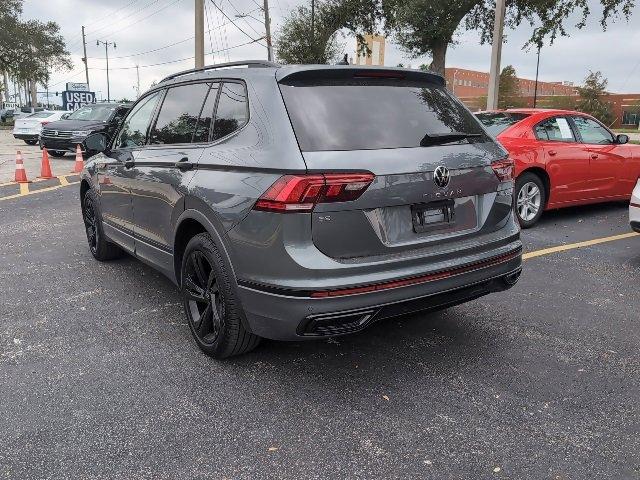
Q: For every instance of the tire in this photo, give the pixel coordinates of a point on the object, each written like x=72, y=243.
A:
x=31, y=142
x=530, y=199
x=101, y=249
x=211, y=301
x=57, y=154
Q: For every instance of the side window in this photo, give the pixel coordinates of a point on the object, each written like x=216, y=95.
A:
x=233, y=110
x=555, y=129
x=592, y=132
x=203, y=128
x=134, y=129
x=179, y=114
x=120, y=114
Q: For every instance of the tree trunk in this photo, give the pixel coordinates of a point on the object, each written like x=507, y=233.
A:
x=439, y=54
x=34, y=93
x=5, y=78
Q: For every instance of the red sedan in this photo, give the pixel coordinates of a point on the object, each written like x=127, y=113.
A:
x=563, y=158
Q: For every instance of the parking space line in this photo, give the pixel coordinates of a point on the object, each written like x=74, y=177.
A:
x=572, y=246
x=33, y=192
x=24, y=188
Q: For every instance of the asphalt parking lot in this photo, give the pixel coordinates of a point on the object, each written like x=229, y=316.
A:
x=99, y=377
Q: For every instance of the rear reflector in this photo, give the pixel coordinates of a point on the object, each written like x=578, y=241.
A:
x=300, y=193
x=378, y=75
x=504, y=169
x=417, y=280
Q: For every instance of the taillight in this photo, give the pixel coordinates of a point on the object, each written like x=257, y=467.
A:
x=44, y=122
x=504, y=169
x=300, y=193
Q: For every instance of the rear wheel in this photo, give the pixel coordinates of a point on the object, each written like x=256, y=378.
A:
x=211, y=302
x=55, y=153
x=530, y=199
x=31, y=142
x=99, y=246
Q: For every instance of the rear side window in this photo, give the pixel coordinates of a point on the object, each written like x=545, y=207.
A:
x=203, y=127
x=233, y=110
x=179, y=114
x=496, y=123
x=555, y=130
x=367, y=114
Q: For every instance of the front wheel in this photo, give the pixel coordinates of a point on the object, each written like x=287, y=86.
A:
x=31, y=142
x=57, y=154
x=99, y=246
x=530, y=199
x=211, y=302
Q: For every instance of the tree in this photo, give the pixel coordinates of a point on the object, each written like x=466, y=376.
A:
x=295, y=42
x=428, y=27
x=591, y=102
x=509, y=91
x=30, y=49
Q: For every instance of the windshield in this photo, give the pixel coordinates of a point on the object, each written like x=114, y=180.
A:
x=498, y=122
x=98, y=113
x=368, y=114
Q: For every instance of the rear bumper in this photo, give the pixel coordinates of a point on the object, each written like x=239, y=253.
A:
x=26, y=136
x=297, y=315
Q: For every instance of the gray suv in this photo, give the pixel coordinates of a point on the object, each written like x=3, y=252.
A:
x=301, y=202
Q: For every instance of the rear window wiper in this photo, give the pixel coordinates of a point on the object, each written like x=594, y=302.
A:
x=443, y=138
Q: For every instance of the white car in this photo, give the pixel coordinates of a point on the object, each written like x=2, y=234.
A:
x=28, y=128
x=634, y=208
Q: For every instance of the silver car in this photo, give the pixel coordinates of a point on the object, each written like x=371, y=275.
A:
x=302, y=202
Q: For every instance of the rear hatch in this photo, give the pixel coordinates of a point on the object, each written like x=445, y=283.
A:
x=432, y=160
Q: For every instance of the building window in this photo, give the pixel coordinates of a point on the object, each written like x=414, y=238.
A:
x=631, y=117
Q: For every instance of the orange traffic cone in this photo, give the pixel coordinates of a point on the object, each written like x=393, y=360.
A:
x=79, y=165
x=45, y=167
x=21, y=174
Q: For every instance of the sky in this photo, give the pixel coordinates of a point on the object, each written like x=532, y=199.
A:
x=139, y=26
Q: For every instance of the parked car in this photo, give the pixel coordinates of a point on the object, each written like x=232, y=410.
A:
x=303, y=202
x=634, y=208
x=24, y=112
x=563, y=158
x=28, y=128
x=63, y=136
x=6, y=114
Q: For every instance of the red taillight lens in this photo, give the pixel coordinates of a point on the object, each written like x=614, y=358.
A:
x=504, y=169
x=300, y=193
x=44, y=122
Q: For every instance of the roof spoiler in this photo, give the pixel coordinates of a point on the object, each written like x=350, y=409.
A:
x=306, y=73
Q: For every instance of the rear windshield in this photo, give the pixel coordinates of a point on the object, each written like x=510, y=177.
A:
x=368, y=114
x=496, y=123
x=41, y=115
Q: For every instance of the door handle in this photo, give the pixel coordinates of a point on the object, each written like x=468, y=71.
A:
x=184, y=164
x=552, y=153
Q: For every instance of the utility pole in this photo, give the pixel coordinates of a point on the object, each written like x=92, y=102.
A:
x=496, y=54
x=267, y=28
x=199, y=32
x=106, y=56
x=535, y=91
x=138, y=83
x=84, y=59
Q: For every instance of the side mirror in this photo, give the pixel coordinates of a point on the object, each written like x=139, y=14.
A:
x=65, y=116
x=622, y=139
x=96, y=142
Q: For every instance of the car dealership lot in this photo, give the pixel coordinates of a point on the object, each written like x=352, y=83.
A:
x=100, y=378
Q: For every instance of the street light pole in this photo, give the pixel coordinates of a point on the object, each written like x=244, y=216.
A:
x=106, y=56
x=535, y=91
x=496, y=54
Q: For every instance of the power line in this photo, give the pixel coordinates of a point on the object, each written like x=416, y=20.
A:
x=235, y=24
x=206, y=13
x=111, y=24
x=238, y=15
x=110, y=14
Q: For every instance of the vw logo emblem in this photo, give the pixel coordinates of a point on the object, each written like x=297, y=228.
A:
x=441, y=176
x=55, y=132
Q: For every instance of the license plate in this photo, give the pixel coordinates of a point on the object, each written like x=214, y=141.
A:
x=24, y=130
x=432, y=216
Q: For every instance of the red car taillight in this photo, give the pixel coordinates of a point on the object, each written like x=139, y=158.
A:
x=504, y=169
x=300, y=193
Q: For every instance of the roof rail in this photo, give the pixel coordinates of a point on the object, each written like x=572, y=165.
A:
x=246, y=63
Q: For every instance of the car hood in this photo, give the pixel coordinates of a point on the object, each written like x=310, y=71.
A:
x=76, y=125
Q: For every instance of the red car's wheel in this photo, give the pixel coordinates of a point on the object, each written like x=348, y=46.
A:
x=530, y=199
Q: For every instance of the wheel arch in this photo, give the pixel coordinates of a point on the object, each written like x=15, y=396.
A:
x=546, y=181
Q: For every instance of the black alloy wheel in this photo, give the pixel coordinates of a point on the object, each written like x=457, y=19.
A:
x=205, y=306
x=89, y=216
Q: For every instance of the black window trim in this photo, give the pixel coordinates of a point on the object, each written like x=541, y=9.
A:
x=213, y=120
x=571, y=126
x=579, y=135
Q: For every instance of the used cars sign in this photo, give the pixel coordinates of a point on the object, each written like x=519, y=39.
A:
x=72, y=100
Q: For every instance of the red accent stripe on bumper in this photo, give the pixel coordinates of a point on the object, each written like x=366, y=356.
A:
x=418, y=280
